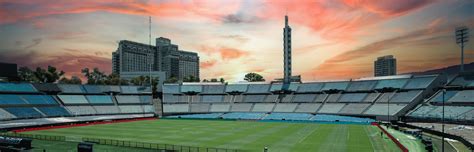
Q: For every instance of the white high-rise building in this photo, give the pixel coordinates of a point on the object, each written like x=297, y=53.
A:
x=132, y=58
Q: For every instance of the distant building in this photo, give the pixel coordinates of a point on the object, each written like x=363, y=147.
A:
x=188, y=64
x=8, y=71
x=385, y=66
x=165, y=57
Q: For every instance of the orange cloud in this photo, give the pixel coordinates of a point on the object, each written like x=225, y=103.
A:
x=226, y=53
x=231, y=53
x=207, y=64
x=13, y=11
x=339, y=20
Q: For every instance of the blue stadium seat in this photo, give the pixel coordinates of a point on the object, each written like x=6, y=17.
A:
x=24, y=112
x=236, y=88
x=198, y=116
x=9, y=99
x=99, y=99
x=288, y=116
x=54, y=111
x=191, y=88
x=213, y=89
x=145, y=98
x=334, y=118
x=439, y=96
x=17, y=87
x=39, y=99
x=310, y=87
x=243, y=115
x=171, y=89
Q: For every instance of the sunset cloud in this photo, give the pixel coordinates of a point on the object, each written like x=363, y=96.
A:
x=331, y=39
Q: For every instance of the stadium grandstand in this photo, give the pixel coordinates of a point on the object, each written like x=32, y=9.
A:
x=404, y=100
x=24, y=104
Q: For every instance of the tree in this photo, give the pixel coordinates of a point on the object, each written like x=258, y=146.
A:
x=205, y=80
x=154, y=88
x=140, y=80
x=171, y=80
x=214, y=80
x=114, y=79
x=26, y=74
x=253, y=77
x=73, y=80
x=95, y=76
x=222, y=80
x=49, y=75
x=191, y=78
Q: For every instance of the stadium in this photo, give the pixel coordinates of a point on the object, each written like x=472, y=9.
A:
x=154, y=99
x=316, y=116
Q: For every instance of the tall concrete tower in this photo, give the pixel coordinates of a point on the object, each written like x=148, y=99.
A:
x=287, y=51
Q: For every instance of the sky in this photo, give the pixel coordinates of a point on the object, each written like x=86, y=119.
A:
x=331, y=39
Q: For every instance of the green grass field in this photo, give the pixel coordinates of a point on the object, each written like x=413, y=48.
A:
x=242, y=135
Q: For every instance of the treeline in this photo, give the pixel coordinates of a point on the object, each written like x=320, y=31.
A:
x=94, y=77
x=97, y=77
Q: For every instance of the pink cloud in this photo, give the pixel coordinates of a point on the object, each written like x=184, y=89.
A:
x=388, y=8
x=215, y=10
x=339, y=20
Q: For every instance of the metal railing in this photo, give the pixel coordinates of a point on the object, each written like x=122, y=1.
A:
x=134, y=144
x=32, y=136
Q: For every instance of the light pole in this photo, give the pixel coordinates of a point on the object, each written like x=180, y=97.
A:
x=462, y=36
x=442, y=122
x=388, y=108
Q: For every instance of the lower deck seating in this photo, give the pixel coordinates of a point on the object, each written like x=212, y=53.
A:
x=335, y=118
x=354, y=108
x=220, y=108
x=131, y=109
x=450, y=112
x=241, y=107
x=381, y=109
x=107, y=109
x=175, y=108
x=307, y=107
x=54, y=111
x=199, y=116
x=200, y=107
x=82, y=110
x=285, y=107
x=49, y=121
x=263, y=107
x=24, y=112
x=148, y=109
x=4, y=115
x=277, y=116
x=288, y=116
x=331, y=108
x=243, y=115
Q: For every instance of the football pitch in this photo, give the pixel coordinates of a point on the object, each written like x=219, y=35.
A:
x=241, y=135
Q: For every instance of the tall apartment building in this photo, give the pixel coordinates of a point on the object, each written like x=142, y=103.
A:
x=165, y=56
x=385, y=66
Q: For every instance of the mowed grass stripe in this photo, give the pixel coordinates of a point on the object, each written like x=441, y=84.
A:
x=293, y=137
x=380, y=144
x=336, y=140
x=245, y=135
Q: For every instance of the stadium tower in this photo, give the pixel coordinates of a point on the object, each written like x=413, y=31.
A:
x=287, y=52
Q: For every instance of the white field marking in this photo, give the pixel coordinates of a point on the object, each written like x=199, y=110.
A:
x=370, y=138
x=348, y=133
x=304, y=138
